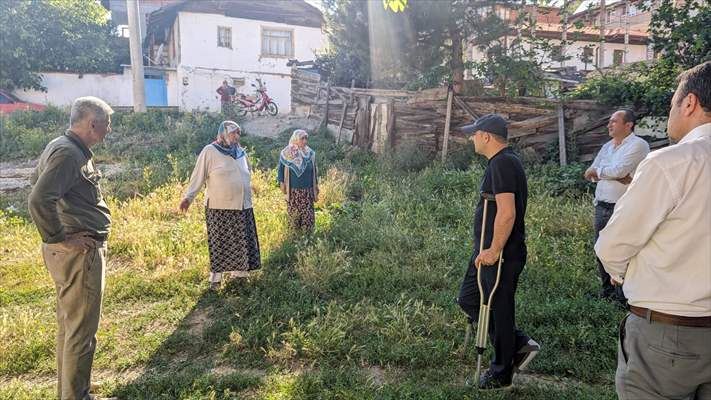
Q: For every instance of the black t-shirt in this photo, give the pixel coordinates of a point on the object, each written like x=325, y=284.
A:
x=504, y=174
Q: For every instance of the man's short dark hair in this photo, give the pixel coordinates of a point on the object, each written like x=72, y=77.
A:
x=697, y=80
x=628, y=116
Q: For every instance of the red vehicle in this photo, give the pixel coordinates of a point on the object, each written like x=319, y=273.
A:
x=10, y=103
x=260, y=102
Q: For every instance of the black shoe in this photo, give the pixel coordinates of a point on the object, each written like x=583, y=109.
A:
x=525, y=354
x=492, y=381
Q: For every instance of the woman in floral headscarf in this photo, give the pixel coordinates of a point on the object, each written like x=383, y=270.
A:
x=297, y=174
x=231, y=231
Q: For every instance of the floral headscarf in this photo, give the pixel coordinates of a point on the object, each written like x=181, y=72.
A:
x=220, y=143
x=295, y=158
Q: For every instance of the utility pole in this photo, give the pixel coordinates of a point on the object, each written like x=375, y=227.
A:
x=601, y=49
x=564, y=35
x=627, y=30
x=139, y=94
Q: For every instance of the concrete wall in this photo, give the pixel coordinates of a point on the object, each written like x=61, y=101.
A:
x=203, y=65
x=115, y=89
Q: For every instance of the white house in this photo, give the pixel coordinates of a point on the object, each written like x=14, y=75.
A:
x=207, y=42
x=190, y=47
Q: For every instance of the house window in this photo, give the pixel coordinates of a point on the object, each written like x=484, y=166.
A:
x=123, y=31
x=587, y=56
x=633, y=10
x=277, y=43
x=557, y=53
x=224, y=37
x=617, y=57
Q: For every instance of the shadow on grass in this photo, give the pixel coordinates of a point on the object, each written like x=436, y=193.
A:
x=220, y=348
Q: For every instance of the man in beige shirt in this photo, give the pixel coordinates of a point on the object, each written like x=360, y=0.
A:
x=658, y=245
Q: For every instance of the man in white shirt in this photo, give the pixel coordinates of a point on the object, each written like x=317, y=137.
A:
x=658, y=242
x=612, y=169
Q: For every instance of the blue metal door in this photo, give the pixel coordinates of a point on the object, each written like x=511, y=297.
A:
x=156, y=91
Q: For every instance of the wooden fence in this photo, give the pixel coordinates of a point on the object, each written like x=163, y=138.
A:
x=383, y=120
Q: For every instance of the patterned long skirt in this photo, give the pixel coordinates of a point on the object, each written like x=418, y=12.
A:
x=300, y=209
x=232, y=240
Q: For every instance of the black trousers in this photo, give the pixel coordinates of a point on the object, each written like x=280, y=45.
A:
x=602, y=217
x=505, y=337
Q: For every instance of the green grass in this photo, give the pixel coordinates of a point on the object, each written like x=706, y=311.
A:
x=363, y=309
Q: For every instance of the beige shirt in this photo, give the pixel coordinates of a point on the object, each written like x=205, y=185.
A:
x=659, y=237
x=228, y=180
x=613, y=163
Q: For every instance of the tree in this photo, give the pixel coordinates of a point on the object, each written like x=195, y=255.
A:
x=681, y=38
x=681, y=33
x=417, y=44
x=56, y=35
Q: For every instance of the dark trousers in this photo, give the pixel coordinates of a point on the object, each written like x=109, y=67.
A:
x=603, y=212
x=505, y=337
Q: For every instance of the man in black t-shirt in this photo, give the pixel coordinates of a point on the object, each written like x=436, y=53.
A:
x=505, y=234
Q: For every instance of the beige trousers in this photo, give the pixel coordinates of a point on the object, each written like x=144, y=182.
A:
x=658, y=362
x=79, y=280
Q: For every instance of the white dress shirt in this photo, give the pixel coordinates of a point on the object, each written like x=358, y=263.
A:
x=659, y=237
x=228, y=180
x=613, y=163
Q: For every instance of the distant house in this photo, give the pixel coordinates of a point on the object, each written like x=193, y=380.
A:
x=190, y=47
x=202, y=43
x=582, y=53
x=119, y=14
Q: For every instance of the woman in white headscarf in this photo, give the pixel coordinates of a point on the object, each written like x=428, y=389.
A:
x=297, y=174
x=231, y=230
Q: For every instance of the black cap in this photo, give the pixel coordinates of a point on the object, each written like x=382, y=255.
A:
x=492, y=123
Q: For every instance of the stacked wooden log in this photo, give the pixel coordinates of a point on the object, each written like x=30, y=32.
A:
x=382, y=120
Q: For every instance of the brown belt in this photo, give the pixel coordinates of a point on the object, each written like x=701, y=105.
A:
x=656, y=316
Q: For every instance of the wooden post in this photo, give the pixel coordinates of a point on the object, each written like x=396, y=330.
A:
x=561, y=134
x=448, y=119
x=314, y=101
x=390, y=125
x=328, y=97
x=343, y=113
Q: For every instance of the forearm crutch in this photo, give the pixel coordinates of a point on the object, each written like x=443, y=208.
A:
x=482, y=328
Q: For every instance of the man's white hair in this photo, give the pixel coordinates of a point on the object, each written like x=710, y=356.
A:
x=87, y=107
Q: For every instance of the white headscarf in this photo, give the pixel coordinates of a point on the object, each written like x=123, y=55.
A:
x=295, y=157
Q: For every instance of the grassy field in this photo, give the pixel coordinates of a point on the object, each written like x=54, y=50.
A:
x=363, y=309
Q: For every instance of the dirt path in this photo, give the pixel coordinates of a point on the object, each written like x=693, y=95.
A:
x=15, y=175
x=271, y=126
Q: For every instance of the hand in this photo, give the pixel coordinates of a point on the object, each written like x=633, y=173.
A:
x=591, y=175
x=316, y=192
x=487, y=257
x=615, y=282
x=625, y=181
x=184, y=205
x=80, y=241
x=282, y=186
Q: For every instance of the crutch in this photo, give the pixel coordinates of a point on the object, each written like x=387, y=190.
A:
x=482, y=328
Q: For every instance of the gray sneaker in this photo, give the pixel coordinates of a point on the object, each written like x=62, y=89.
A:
x=525, y=354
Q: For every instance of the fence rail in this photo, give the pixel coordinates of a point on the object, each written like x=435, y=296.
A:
x=383, y=120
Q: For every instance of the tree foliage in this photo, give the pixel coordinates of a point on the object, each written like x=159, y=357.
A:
x=682, y=39
x=422, y=43
x=56, y=35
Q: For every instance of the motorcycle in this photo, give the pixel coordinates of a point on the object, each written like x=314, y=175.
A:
x=260, y=102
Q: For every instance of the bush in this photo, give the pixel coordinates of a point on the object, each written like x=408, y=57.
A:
x=555, y=180
x=24, y=134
